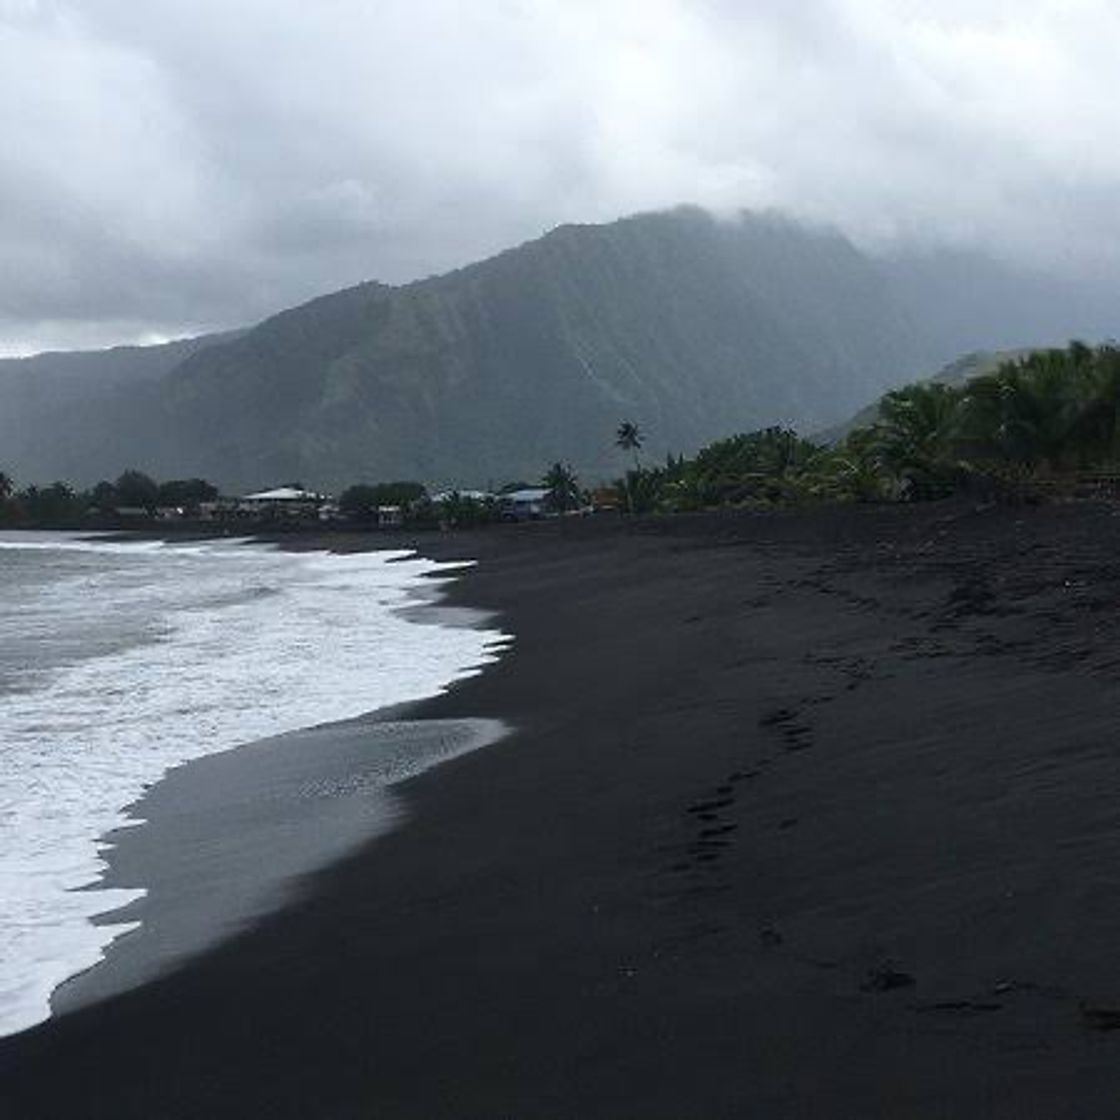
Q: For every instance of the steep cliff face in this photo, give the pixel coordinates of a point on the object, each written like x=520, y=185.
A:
x=691, y=326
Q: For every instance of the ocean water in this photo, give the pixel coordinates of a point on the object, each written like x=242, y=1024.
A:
x=120, y=660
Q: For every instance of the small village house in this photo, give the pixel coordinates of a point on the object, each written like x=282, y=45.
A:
x=284, y=503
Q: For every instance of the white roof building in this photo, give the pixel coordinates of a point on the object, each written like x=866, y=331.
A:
x=473, y=495
x=530, y=496
x=284, y=494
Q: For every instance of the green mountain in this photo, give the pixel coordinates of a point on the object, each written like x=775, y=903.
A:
x=57, y=409
x=692, y=326
x=689, y=326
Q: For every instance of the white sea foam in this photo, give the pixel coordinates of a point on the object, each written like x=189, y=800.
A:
x=122, y=660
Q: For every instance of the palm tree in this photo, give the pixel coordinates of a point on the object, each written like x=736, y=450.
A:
x=6, y=487
x=849, y=471
x=563, y=487
x=1023, y=413
x=916, y=429
x=628, y=437
x=1095, y=424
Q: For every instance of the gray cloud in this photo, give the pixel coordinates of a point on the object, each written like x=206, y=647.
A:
x=173, y=165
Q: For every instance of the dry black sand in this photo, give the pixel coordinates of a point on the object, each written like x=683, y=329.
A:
x=811, y=815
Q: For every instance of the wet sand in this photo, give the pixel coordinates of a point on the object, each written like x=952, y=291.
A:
x=225, y=839
x=809, y=815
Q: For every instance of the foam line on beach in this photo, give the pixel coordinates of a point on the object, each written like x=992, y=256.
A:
x=228, y=838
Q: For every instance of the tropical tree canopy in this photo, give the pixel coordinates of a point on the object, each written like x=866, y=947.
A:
x=53, y=504
x=563, y=488
x=364, y=500
x=138, y=490
x=916, y=429
x=1053, y=409
x=1050, y=412
x=187, y=492
x=104, y=496
x=628, y=436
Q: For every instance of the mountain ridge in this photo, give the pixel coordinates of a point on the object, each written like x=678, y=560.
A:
x=656, y=316
x=693, y=326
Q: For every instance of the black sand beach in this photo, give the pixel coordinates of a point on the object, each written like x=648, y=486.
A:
x=806, y=815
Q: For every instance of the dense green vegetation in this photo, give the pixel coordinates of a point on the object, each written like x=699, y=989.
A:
x=767, y=466
x=1046, y=417
x=363, y=501
x=563, y=489
x=133, y=495
x=1043, y=417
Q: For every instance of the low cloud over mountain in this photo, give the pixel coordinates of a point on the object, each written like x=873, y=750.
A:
x=178, y=166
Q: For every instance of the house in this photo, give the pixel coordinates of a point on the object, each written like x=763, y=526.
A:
x=524, y=505
x=283, y=503
x=445, y=496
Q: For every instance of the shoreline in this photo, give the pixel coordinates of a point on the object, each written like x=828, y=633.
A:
x=802, y=815
x=222, y=840
x=215, y=841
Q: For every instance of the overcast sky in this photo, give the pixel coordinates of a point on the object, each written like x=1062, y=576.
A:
x=174, y=165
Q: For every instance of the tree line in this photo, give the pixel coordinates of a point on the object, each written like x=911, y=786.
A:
x=1049, y=416
x=61, y=504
